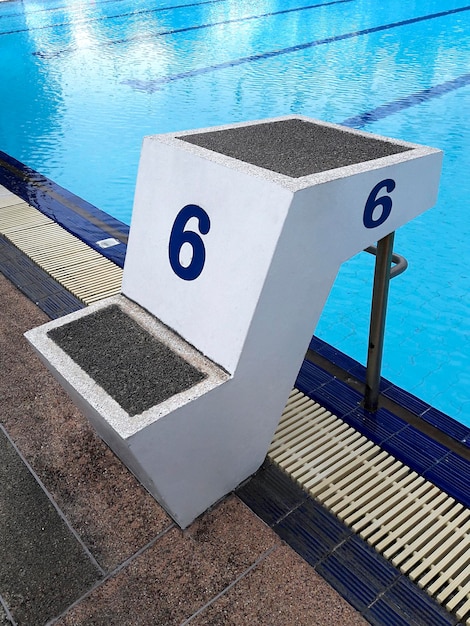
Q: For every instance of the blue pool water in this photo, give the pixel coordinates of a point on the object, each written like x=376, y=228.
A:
x=82, y=82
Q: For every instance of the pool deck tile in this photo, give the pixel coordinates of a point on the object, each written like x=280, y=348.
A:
x=302, y=601
x=101, y=499
x=4, y=620
x=182, y=571
x=55, y=561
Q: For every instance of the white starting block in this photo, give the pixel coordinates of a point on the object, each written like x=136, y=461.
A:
x=237, y=235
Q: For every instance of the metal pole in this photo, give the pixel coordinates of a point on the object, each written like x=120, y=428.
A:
x=377, y=321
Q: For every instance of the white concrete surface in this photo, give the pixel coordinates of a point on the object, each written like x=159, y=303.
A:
x=272, y=252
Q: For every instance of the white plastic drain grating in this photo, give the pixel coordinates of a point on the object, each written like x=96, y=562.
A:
x=419, y=528
x=77, y=267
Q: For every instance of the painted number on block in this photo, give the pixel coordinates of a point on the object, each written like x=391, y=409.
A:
x=373, y=215
x=179, y=237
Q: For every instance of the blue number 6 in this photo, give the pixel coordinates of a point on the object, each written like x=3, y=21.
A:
x=179, y=236
x=373, y=202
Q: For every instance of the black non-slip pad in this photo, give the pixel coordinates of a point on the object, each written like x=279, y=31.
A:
x=133, y=367
x=294, y=147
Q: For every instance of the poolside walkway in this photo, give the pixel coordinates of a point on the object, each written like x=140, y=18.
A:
x=83, y=542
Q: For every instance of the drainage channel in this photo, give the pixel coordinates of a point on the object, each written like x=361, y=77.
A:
x=419, y=528
x=78, y=268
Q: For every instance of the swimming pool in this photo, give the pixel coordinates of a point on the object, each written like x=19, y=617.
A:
x=83, y=82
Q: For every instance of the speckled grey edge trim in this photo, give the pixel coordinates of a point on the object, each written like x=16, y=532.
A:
x=414, y=151
x=100, y=400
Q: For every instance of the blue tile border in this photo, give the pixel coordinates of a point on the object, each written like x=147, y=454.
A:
x=311, y=377
x=338, y=397
x=448, y=425
x=333, y=355
x=406, y=400
x=312, y=531
x=452, y=474
x=359, y=591
x=414, y=608
x=370, y=583
x=35, y=283
x=345, y=362
x=415, y=449
x=272, y=495
x=379, y=426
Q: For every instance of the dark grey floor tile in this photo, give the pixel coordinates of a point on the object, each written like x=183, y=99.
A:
x=43, y=567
